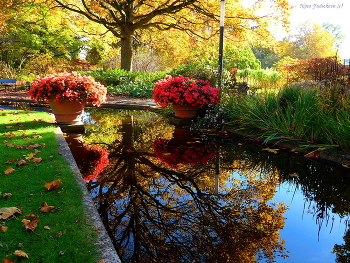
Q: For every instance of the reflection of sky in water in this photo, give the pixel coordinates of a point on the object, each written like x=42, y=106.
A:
x=304, y=240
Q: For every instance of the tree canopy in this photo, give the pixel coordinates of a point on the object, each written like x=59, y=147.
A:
x=311, y=41
x=137, y=22
x=33, y=30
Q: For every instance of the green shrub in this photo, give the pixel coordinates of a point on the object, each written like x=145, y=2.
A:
x=116, y=77
x=108, y=77
x=146, y=76
x=134, y=90
x=240, y=57
x=197, y=70
x=138, y=84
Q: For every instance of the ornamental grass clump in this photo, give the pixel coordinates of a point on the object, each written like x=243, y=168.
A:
x=293, y=113
x=185, y=91
x=63, y=87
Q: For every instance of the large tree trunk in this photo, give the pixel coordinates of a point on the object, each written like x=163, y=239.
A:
x=126, y=51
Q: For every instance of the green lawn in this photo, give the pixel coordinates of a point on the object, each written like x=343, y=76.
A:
x=29, y=159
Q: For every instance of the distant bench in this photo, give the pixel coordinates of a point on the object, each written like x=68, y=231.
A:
x=8, y=83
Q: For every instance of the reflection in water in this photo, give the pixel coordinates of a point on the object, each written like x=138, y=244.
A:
x=91, y=160
x=183, y=148
x=157, y=210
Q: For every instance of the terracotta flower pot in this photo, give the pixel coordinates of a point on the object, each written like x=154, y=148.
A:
x=67, y=112
x=185, y=111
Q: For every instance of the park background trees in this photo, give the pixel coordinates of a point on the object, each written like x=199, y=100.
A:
x=181, y=29
x=43, y=35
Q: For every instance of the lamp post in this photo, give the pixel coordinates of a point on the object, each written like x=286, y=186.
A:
x=221, y=42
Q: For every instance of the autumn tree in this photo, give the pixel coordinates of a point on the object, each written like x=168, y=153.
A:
x=132, y=21
x=311, y=41
x=36, y=30
x=267, y=56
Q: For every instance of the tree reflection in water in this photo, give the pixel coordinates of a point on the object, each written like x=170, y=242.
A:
x=159, y=213
x=155, y=213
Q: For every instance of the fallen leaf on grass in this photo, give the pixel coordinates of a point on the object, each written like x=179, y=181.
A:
x=12, y=160
x=3, y=228
x=30, y=225
x=9, y=170
x=21, y=162
x=6, y=195
x=35, y=145
x=46, y=208
x=6, y=260
x=21, y=253
x=37, y=160
x=6, y=212
x=29, y=156
x=53, y=185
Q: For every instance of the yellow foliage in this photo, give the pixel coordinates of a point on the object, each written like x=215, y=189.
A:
x=311, y=41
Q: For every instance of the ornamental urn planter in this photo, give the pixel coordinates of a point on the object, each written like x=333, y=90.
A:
x=67, y=112
x=185, y=111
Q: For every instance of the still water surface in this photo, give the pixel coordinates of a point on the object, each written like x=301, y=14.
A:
x=170, y=194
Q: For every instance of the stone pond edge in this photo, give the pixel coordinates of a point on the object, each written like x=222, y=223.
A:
x=107, y=253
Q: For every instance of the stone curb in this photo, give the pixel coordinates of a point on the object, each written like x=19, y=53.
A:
x=104, y=243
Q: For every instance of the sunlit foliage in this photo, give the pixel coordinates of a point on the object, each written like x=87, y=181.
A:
x=177, y=25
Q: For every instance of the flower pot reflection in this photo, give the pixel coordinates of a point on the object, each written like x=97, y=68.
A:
x=91, y=160
x=183, y=149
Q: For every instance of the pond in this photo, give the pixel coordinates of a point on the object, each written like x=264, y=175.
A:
x=169, y=194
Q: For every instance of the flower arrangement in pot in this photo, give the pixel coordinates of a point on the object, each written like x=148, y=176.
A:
x=64, y=90
x=185, y=91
